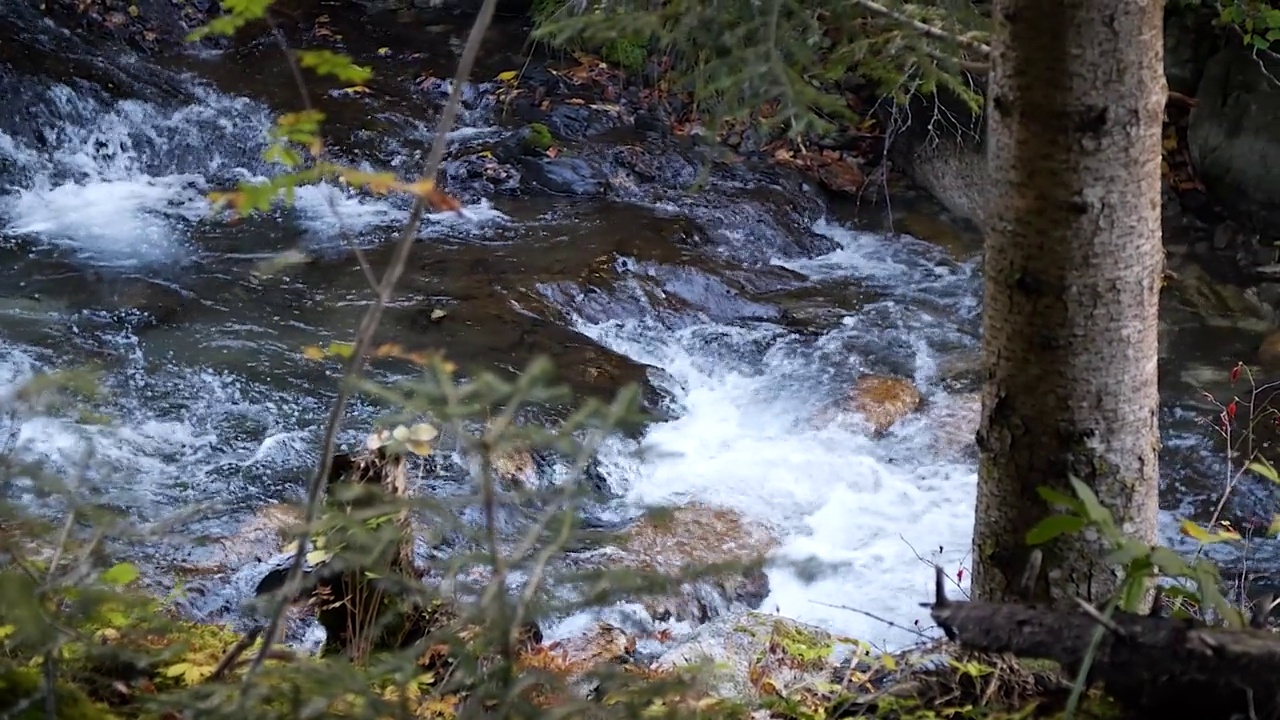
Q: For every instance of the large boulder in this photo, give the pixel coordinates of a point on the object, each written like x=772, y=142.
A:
x=877, y=401
x=1234, y=137
x=755, y=654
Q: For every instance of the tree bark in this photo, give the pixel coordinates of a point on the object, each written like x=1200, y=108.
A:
x=1072, y=278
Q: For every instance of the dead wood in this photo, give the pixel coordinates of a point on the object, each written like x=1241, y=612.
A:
x=1154, y=666
x=381, y=600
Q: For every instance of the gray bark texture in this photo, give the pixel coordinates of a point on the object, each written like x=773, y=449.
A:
x=1072, y=282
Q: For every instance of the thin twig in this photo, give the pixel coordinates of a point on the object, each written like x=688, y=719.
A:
x=898, y=626
x=369, y=324
x=930, y=31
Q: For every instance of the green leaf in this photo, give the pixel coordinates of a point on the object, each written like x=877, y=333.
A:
x=1093, y=509
x=1260, y=42
x=1128, y=551
x=1054, y=497
x=120, y=574
x=177, y=669
x=1265, y=469
x=1053, y=526
x=1274, y=528
x=1169, y=562
x=327, y=62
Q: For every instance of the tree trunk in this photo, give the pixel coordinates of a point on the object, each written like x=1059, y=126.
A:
x=1073, y=265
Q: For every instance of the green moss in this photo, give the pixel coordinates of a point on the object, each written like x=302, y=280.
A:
x=628, y=53
x=24, y=685
x=800, y=645
x=539, y=138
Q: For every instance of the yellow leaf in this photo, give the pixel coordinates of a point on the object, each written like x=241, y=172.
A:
x=356, y=89
x=507, y=76
x=341, y=349
x=134, y=11
x=311, y=352
x=384, y=51
x=1274, y=529
x=6, y=631
x=1202, y=535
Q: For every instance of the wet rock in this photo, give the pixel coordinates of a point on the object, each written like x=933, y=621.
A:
x=147, y=302
x=1215, y=300
x=951, y=166
x=665, y=541
x=960, y=372
x=665, y=168
x=954, y=421
x=578, y=122
x=514, y=468
x=756, y=654
x=879, y=400
x=565, y=176
x=257, y=540
x=604, y=644
x=1234, y=139
x=957, y=240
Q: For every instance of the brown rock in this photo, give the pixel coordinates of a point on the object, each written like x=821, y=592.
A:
x=605, y=643
x=574, y=657
x=882, y=400
x=514, y=468
x=666, y=540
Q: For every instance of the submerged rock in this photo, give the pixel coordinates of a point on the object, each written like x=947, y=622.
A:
x=565, y=175
x=879, y=400
x=756, y=654
x=954, y=421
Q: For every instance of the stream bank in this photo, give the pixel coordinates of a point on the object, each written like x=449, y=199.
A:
x=750, y=308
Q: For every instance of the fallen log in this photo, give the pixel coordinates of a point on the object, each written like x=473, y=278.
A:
x=1153, y=666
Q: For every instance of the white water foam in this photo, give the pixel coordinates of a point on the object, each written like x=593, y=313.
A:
x=120, y=182
x=745, y=438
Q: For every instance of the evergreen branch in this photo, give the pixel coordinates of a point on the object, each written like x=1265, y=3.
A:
x=930, y=31
x=368, y=326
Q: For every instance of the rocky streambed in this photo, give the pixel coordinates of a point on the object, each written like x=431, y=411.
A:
x=811, y=361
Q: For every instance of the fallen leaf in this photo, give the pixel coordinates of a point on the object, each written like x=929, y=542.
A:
x=384, y=51
x=507, y=75
x=438, y=314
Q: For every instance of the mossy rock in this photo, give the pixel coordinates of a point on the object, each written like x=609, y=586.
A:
x=538, y=137
x=24, y=685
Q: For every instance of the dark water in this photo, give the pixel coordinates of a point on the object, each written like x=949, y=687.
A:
x=743, y=308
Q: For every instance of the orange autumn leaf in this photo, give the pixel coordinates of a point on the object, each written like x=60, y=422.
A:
x=437, y=199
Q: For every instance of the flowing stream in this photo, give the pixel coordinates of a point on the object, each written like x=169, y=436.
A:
x=748, y=306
